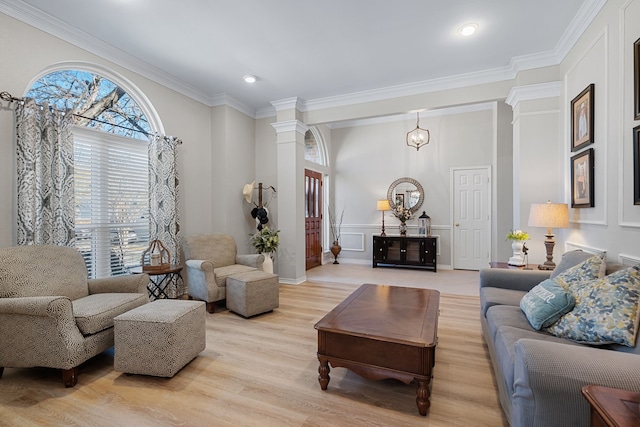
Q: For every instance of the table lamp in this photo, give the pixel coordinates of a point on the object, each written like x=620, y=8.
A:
x=550, y=215
x=383, y=205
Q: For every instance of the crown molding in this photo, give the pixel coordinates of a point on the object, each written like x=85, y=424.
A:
x=224, y=99
x=408, y=89
x=586, y=14
x=288, y=104
x=290, y=126
x=531, y=92
x=412, y=116
x=36, y=18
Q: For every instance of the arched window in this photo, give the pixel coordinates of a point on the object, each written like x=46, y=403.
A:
x=111, y=166
x=313, y=150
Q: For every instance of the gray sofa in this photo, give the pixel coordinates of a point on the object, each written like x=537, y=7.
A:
x=540, y=376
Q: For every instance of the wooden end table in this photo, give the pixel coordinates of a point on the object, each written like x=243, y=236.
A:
x=494, y=264
x=161, y=279
x=381, y=332
x=611, y=407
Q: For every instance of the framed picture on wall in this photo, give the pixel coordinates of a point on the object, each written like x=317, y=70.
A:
x=636, y=80
x=400, y=200
x=582, y=184
x=636, y=165
x=582, y=119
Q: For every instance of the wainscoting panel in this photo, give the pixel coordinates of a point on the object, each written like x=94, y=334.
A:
x=351, y=241
x=570, y=246
x=629, y=260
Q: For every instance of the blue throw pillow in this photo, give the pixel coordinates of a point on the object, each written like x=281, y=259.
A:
x=546, y=303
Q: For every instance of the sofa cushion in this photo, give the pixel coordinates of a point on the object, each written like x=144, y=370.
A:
x=220, y=249
x=506, y=315
x=606, y=310
x=42, y=270
x=499, y=296
x=223, y=272
x=569, y=259
x=546, y=303
x=95, y=313
x=505, y=343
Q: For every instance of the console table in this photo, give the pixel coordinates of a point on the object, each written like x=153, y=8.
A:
x=410, y=251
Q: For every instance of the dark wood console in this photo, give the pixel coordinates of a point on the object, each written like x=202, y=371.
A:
x=409, y=251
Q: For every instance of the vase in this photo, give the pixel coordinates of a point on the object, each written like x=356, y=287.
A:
x=518, y=257
x=267, y=265
x=403, y=228
x=335, y=250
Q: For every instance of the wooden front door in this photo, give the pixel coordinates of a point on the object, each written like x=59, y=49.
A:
x=313, y=218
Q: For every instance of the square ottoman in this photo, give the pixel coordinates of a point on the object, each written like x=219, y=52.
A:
x=159, y=338
x=252, y=293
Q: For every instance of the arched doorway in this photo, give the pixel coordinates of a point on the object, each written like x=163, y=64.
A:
x=315, y=162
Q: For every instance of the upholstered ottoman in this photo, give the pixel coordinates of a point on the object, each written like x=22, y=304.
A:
x=159, y=338
x=253, y=292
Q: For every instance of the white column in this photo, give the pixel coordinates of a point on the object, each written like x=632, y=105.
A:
x=291, y=217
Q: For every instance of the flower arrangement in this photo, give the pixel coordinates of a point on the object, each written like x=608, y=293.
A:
x=265, y=240
x=402, y=213
x=517, y=235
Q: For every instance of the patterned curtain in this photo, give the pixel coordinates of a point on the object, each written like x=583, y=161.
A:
x=163, y=194
x=46, y=205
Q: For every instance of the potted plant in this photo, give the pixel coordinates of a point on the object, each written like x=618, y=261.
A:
x=518, y=237
x=266, y=242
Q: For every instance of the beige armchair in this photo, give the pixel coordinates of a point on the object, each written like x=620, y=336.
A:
x=210, y=259
x=51, y=315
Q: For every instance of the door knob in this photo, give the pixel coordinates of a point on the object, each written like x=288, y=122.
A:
x=457, y=224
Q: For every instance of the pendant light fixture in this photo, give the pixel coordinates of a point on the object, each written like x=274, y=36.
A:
x=418, y=137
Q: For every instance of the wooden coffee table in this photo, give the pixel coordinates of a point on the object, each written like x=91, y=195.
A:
x=381, y=332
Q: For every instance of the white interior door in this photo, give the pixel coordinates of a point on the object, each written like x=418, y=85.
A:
x=471, y=218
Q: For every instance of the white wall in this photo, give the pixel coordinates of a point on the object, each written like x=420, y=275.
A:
x=604, y=57
x=367, y=159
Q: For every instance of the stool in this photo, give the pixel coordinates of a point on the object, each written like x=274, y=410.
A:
x=159, y=338
x=252, y=293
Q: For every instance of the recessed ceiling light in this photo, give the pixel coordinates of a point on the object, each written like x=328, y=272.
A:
x=468, y=29
x=250, y=79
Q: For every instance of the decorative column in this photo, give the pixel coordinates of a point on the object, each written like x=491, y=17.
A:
x=291, y=219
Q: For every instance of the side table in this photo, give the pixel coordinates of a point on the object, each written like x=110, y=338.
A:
x=494, y=264
x=611, y=407
x=161, y=280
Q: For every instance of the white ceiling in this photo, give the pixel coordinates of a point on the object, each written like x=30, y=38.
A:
x=314, y=49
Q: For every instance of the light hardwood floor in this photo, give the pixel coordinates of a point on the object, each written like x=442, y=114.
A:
x=263, y=372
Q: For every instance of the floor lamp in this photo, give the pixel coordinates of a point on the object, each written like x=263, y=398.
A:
x=550, y=215
x=383, y=205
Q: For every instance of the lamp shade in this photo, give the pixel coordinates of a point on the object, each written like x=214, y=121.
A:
x=383, y=205
x=550, y=215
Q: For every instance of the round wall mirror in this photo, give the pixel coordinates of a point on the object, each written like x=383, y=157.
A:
x=405, y=192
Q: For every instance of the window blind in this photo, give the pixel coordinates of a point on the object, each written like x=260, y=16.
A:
x=112, y=201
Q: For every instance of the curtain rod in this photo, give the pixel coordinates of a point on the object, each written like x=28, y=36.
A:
x=6, y=96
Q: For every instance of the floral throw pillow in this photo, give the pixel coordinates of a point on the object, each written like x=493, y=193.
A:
x=589, y=269
x=606, y=311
